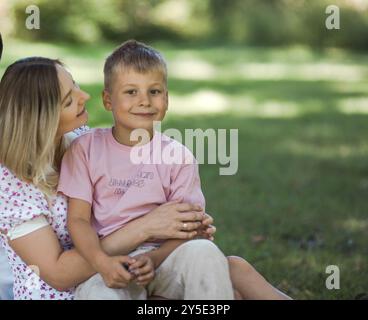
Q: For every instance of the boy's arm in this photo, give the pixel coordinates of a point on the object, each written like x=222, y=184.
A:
x=75, y=183
x=88, y=245
x=160, y=254
x=84, y=237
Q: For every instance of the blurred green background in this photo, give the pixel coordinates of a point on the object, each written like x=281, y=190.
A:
x=297, y=92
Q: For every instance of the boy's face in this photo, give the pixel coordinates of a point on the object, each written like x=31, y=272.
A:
x=136, y=99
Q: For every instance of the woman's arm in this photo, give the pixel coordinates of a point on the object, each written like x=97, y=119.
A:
x=65, y=269
x=60, y=269
x=164, y=222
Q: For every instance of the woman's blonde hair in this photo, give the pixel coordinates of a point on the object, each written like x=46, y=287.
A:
x=30, y=109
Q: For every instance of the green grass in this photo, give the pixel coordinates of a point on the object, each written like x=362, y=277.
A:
x=298, y=201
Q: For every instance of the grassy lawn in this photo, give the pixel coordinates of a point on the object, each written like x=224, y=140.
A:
x=297, y=203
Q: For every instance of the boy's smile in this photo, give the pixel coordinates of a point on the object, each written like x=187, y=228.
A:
x=136, y=100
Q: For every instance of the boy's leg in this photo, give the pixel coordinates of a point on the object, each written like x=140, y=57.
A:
x=195, y=270
x=95, y=289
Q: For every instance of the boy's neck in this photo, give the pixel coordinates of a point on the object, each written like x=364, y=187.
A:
x=122, y=135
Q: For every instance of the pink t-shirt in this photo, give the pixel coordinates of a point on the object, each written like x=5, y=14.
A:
x=98, y=169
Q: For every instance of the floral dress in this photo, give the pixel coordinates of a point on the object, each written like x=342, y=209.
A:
x=21, y=202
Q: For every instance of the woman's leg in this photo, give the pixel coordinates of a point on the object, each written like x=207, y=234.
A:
x=249, y=284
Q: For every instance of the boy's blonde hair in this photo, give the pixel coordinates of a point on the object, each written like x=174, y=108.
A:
x=29, y=117
x=136, y=55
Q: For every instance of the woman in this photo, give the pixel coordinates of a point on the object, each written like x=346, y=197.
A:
x=35, y=119
x=6, y=279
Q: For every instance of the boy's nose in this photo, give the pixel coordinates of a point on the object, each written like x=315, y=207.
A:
x=144, y=100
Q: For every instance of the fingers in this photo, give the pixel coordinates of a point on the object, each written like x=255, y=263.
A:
x=211, y=230
x=183, y=207
x=207, y=220
x=126, y=259
x=185, y=235
x=124, y=275
x=189, y=226
x=138, y=264
x=142, y=271
x=118, y=280
x=191, y=216
x=145, y=279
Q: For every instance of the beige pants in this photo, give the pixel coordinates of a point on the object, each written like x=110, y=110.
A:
x=196, y=270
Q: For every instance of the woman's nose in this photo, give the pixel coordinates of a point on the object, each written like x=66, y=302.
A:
x=85, y=96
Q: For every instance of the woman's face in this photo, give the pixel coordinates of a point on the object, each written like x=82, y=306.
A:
x=73, y=112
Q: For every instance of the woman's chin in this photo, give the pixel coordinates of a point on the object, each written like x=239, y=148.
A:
x=83, y=119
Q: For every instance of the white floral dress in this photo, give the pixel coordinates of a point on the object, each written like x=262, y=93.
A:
x=21, y=202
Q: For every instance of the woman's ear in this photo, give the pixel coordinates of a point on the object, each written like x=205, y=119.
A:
x=167, y=100
x=106, y=99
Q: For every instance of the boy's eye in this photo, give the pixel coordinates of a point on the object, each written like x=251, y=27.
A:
x=155, y=91
x=131, y=91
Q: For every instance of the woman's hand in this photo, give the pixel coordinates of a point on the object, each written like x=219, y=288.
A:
x=174, y=220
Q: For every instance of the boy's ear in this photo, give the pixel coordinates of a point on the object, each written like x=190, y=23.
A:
x=106, y=99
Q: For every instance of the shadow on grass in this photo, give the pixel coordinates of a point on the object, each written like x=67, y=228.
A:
x=300, y=181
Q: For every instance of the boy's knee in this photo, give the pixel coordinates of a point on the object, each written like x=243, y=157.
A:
x=202, y=249
x=200, y=245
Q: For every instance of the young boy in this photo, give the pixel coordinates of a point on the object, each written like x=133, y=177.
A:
x=98, y=176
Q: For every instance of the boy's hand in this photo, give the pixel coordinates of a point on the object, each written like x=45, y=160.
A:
x=113, y=271
x=206, y=230
x=143, y=269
